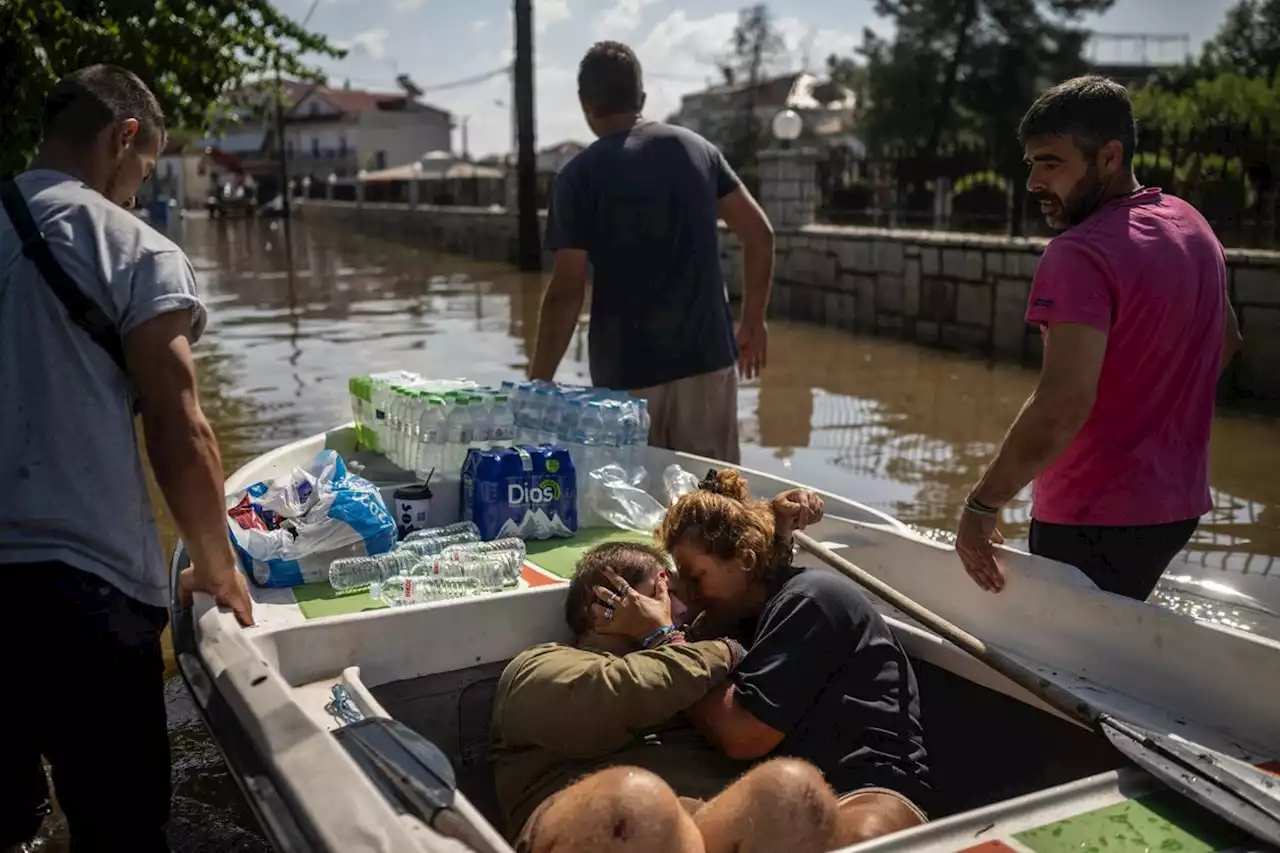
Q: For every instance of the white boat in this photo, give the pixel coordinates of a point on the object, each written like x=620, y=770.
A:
x=1014, y=774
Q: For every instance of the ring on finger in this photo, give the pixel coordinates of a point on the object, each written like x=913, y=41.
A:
x=608, y=613
x=613, y=598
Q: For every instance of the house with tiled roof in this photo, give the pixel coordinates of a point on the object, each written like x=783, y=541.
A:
x=331, y=131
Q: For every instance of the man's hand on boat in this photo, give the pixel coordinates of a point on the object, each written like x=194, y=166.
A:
x=224, y=582
x=975, y=540
x=795, y=509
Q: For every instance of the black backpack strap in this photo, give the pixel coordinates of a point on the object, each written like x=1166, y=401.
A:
x=80, y=308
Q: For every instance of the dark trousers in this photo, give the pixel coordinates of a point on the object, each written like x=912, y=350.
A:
x=1125, y=560
x=87, y=693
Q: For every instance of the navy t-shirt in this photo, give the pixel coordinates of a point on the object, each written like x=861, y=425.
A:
x=825, y=670
x=642, y=204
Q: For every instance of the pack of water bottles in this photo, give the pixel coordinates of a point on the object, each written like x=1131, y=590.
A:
x=423, y=424
x=434, y=565
x=597, y=426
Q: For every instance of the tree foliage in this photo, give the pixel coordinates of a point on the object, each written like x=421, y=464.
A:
x=191, y=52
x=1248, y=43
x=754, y=48
x=965, y=70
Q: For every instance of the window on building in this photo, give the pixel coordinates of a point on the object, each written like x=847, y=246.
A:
x=342, y=145
x=380, y=160
x=315, y=146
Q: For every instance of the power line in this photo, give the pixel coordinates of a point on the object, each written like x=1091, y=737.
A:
x=468, y=81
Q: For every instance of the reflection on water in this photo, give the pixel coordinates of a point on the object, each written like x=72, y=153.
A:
x=901, y=428
x=904, y=429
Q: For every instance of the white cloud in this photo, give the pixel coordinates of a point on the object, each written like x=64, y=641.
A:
x=547, y=13
x=480, y=25
x=407, y=5
x=371, y=42
x=622, y=18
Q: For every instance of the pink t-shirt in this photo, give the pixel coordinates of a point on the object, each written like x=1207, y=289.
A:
x=1147, y=270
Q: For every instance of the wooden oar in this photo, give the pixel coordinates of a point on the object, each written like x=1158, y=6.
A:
x=1245, y=797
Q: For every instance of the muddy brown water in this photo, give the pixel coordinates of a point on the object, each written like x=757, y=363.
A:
x=901, y=428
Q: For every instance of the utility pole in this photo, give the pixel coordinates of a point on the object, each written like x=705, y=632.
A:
x=530, y=246
x=283, y=161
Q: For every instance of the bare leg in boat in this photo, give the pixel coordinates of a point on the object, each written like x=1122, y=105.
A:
x=619, y=810
x=871, y=813
x=783, y=804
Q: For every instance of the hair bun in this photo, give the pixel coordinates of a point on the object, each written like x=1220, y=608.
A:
x=726, y=482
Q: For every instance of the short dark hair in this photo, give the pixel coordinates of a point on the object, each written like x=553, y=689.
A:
x=81, y=104
x=633, y=561
x=609, y=79
x=1091, y=110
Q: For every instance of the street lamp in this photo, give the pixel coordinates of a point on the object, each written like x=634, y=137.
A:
x=787, y=126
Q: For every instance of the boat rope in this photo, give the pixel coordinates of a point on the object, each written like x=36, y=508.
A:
x=343, y=707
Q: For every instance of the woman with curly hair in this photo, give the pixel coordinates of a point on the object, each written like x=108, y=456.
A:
x=823, y=680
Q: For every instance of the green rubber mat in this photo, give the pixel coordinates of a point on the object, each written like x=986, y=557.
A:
x=317, y=600
x=1163, y=821
x=559, y=556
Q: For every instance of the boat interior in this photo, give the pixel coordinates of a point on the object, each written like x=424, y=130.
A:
x=435, y=667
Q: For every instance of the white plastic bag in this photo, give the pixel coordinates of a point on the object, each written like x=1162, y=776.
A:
x=324, y=513
x=614, y=499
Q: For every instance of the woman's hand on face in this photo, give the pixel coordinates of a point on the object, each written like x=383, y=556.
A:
x=620, y=611
x=796, y=509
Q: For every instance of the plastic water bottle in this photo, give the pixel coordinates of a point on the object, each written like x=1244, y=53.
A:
x=430, y=437
x=502, y=421
x=571, y=435
x=415, y=401
x=434, y=545
x=493, y=569
x=543, y=401
x=642, y=423
x=458, y=436
x=401, y=590
x=511, y=550
x=592, y=431
x=467, y=527
x=550, y=431
x=351, y=572
x=628, y=426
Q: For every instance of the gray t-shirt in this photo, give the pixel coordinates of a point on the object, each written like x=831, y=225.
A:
x=73, y=488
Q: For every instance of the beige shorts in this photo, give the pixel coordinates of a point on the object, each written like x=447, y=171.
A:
x=698, y=414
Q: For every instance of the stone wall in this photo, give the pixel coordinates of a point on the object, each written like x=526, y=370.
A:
x=969, y=292
x=958, y=291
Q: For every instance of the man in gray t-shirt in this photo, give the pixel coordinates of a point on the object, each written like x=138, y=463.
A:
x=79, y=552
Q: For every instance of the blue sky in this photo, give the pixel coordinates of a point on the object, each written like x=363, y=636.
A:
x=437, y=41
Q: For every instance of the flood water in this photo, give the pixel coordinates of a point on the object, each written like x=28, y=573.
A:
x=901, y=428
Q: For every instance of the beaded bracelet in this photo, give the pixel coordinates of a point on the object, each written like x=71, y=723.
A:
x=659, y=636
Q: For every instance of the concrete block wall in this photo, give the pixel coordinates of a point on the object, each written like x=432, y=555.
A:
x=958, y=291
x=969, y=292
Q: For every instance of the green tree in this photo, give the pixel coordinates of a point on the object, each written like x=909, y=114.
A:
x=1248, y=42
x=191, y=52
x=965, y=69
x=754, y=48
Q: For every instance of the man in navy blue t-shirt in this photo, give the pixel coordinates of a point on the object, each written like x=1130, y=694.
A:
x=641, y=207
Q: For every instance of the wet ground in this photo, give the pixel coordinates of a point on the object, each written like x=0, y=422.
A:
x=901, y=428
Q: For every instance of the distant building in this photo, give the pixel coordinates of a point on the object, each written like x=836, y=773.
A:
x=826, y=109
x=341, y=131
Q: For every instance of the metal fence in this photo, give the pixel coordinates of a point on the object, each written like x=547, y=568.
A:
x=1231, y=174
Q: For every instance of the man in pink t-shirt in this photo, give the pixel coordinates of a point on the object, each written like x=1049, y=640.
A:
x=1132, y=303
